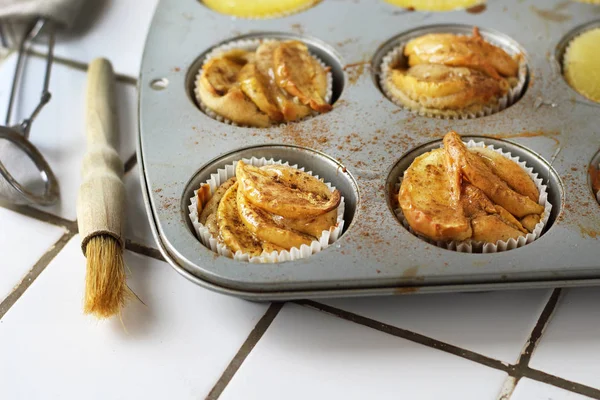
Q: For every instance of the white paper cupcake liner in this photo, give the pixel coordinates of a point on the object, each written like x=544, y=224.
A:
x=219, y=177
x=473, y=246
x=394, y=56
x=251, y=45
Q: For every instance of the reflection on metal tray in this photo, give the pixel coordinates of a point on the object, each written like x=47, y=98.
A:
x=367, y=137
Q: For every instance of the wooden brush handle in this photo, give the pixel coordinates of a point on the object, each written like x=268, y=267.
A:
x=100, y=206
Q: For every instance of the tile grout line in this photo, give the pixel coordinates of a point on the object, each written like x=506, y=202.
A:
x=42, y=216
x=524, y=370
x=562, y=383
x=508, y=387
x=81, y=66
x=539, y=328
x=143, y=250
x=408, y=335
x=516, y=372
x=513, y=379
x=35, y=271
x=253, y=338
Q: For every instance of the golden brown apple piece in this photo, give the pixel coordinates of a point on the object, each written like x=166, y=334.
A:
x=238, y=56
x=490, y=228
x=219, y=90
x=476, y=204
x=313, y=226
x=256, y=86
x=530, y=221
x=461, y=51
x=426, y=203
x=290, y=109
x=509, y=171
x=478, y=174
x=509, y=219
x=300, y=75
x=210, y=206
x=265, y=227
x=221, y=74
x=232, y=230
x=286, y=191
x=443, y=87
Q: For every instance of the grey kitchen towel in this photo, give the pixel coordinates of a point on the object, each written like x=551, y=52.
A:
x=62, y=12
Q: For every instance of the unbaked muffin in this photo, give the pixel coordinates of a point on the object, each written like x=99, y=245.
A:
x=581, y=64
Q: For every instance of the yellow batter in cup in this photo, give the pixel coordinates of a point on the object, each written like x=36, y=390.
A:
x=259, y=8
x=581, y=64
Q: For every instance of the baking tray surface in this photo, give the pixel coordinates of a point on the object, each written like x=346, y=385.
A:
x=367, y=136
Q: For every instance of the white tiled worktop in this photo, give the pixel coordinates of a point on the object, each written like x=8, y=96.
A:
x=185, y=342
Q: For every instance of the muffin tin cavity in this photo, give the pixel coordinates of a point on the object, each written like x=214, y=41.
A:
x=560, y=50
x=327, y=168
x=322, y=51
x=540, y=166
x=391, y=54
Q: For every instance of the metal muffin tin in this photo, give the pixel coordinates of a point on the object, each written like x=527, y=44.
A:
x=364, y=144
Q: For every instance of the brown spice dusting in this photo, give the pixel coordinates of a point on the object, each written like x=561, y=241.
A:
x=410, y=272
x=555, y=14
x=548, y=134
x=345, y=42
x=357, y=64
x=588, y=232
x=405, y=290
x=355, y=71
x=297, y=28
x=314, y=135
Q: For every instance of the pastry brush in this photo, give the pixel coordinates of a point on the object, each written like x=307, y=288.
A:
x=101, y=197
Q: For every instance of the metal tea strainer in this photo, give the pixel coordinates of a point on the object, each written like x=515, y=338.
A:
x=17, y=135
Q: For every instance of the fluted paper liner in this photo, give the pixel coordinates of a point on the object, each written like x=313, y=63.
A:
x=392, y=58
x=252, y=45
x=222, y=175
x=473, y=246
